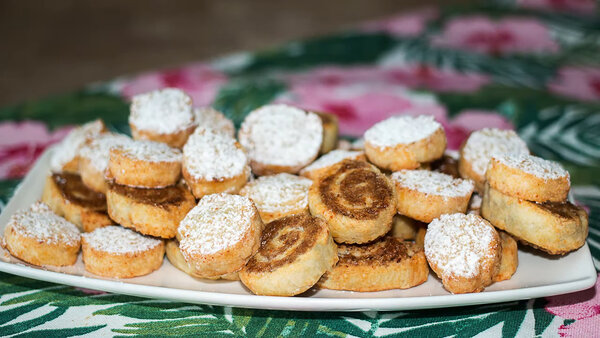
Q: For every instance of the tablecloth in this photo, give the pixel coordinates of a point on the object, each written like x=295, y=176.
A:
x=532, y=65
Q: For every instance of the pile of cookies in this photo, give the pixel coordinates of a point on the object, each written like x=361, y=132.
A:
x=287, y=206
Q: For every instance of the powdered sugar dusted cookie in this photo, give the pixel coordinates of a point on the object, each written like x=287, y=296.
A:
x=424, y=195
x=278, y=195
x=145, y=163
x=403, y=142
x=481, y=146
x=281, y=138
x=220, y=234
x=163, y=115
x=114, y=251
x=529, y=177
x=38, y=236
x=207, y=117
x=66, y=154
x=214, y=162
x=464, y=252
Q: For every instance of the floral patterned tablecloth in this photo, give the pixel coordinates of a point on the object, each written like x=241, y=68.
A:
x=532, y=65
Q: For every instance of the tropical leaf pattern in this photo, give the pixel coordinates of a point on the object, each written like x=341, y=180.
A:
x=545, y=85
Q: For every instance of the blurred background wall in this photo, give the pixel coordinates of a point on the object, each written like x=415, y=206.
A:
x=54, y=46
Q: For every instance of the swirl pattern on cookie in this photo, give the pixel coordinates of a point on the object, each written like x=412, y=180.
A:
x=356, y=199
x=319, y=166
x=295, y=252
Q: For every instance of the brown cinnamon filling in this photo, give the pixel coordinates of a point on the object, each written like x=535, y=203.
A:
x=163, y=197
x=284, y=240
x=565, y=210
x=72, y=189
x=359, y=185
x=380, y=252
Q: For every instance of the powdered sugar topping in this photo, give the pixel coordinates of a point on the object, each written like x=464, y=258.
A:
x=208, y=117
x=163, y=111
x=332, y=158
x=433, y=183
x=281, y=135
x=40, y=223
x=149, y=151
x=547, y=170
x=483, y=144
x=98, y=150
x=218, y=222
x=457, y=243
x=115, y=239
x=401, y=130
x=278, y=193
x=211, y=155
x=69, y=147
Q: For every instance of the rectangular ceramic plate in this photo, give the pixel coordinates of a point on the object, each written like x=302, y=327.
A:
x=538, y=275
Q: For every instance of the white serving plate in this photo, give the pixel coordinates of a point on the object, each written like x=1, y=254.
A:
x=538, y=275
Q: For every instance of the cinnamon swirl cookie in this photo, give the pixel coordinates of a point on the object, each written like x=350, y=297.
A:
x=114, y=251
x=209, y=118
x=163, y=115
x=388, y=263
x=464, y=251
x=68, y=197
x=65, y=157
x=38, y=236
x=220, y=234
x=356, y=200
x=554, y=227
x=424, y=195
x=214, y=162
x=529, y=177
x=154, y=212
x=325, y=162
x=145, y=164
x=177, y=260
x=404, y=142
x=276, y=196
x=295, y=251
x=481, y=146
x=280, y=138
x=94, y=158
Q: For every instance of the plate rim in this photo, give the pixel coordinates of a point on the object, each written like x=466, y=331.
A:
x=289, y=303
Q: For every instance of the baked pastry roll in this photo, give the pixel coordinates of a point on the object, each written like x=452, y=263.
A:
x=68, y=197
x=295, y=251
x=114, y=251
x=40, y=237
x=163, y=115
x=356, y=200
x=281, y=138
x=404, y=142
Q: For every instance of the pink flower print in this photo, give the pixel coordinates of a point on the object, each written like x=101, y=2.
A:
x=200, y=81
x=582, y=83
x=22, y=143
x=506, y=36
x=583, y=307
x=440, y=80
x=579, y=6
x=359, y=106
x=408, y=24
